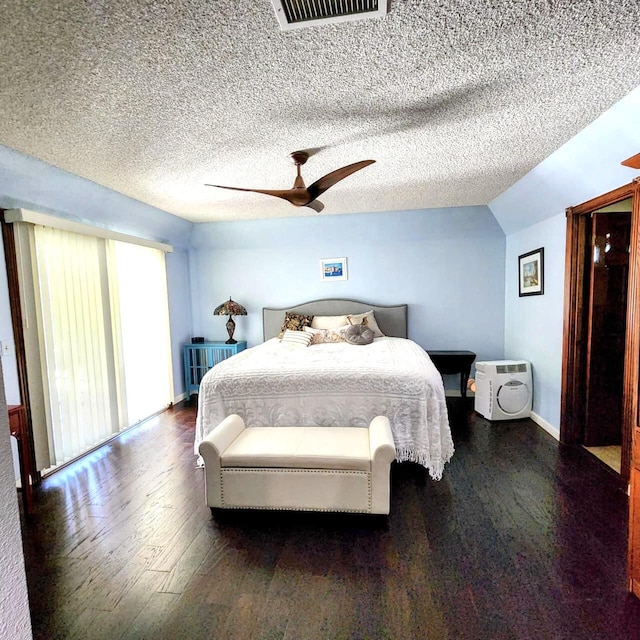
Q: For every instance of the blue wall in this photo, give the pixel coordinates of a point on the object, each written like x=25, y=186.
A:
x=532, y=213
x=456, y=268
x=447, y=264
x=31, y=184
x=533, y=328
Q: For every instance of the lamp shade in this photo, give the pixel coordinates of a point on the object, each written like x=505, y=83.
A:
x=230, y=308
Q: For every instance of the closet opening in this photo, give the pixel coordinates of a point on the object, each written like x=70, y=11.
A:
x=607, y=279
x=598, y=326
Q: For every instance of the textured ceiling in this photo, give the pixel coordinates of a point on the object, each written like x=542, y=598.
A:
x=455, y=99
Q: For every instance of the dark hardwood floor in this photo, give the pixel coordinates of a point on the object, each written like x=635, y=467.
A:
x=522, y=539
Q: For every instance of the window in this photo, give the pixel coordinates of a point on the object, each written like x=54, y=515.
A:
x=100, y=338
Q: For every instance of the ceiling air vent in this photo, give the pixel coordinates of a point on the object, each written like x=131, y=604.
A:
x=294, y=14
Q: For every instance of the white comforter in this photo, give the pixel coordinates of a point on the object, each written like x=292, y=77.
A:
x=275, y=384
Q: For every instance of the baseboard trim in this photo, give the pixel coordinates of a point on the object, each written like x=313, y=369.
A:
x=547, y=426
x=179, y=397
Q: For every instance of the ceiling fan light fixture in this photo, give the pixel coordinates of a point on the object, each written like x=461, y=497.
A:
x=295, y=14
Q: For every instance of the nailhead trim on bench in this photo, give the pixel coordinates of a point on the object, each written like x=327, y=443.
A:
x=285, y=470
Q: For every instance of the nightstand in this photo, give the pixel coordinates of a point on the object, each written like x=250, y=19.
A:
x=452, y=362
x=200, y=357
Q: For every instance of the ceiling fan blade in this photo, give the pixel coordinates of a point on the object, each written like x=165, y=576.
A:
x=633, y=162
x=316, y=205
x=320, y=186
x=297, y=197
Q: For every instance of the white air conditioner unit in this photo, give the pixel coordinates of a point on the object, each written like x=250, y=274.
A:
x=504, y=389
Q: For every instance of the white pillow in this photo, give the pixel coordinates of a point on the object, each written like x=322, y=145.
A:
x=328, y=322
x=299, y=338
x=368, y=319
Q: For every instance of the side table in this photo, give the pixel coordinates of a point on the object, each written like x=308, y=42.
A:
x=201, y=356
x=453, y=362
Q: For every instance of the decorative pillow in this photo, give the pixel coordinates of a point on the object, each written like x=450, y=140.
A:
x=369, y=320
x=328, y=322
x=295, y=322
x=358, y=334
x=326, y=336
x=299, y=338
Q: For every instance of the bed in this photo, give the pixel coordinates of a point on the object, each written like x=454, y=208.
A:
x=335, y=384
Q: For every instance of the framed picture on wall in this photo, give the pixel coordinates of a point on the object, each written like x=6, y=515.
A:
x=333, y=268
x=531, y=273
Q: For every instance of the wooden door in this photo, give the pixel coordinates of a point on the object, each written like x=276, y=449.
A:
x=607, y=319
x=575, y=348
x=578, y=301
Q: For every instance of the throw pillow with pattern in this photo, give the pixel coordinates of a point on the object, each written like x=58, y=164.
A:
x=295, y=322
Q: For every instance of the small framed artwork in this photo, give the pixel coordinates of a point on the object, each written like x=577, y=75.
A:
x=531, y=273
x=333, y=268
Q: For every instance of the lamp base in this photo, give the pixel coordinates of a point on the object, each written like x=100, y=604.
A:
x=231, y=326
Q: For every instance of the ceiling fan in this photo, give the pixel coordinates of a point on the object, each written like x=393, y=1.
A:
x=300, y=195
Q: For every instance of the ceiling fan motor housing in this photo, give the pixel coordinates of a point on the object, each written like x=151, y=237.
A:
x=299, y=157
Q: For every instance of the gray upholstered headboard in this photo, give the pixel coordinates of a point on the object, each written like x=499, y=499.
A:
x=392, y=320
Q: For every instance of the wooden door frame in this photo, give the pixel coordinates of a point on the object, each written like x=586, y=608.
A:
x=574, y=343
x=11, y=264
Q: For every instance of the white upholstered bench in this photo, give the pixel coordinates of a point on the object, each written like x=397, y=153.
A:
x=300, y=468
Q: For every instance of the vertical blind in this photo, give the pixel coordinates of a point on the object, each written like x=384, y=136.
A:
x=141, y=311
x=102, y=310
x=75, y=325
